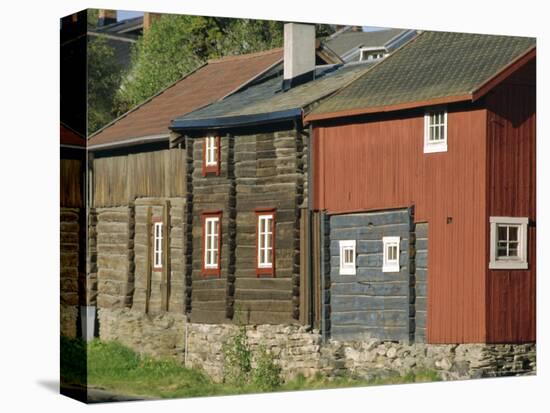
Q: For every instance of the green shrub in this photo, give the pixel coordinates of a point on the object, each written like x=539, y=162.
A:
x=237, y=359
x=267, y=375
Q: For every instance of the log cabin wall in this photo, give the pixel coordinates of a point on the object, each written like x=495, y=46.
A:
x=72, y=239
x=269, y=175
x=511, y=294
x=126, y=187
x=212, y=295
x=372, y=303
x=257, y=171
x=377, y=162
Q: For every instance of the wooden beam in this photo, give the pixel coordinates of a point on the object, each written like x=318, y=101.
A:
x=148, y=261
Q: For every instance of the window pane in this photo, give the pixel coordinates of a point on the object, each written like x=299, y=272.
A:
x=502, y=233
x=513, y=233
x=502, y=251
x=268, y=241
x=214, y=257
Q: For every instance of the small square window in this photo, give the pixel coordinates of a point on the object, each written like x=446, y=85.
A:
x=391, y=254
x=435, y=131
x=508, y=243
x=347, y=257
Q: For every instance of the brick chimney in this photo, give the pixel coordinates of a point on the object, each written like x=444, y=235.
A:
x=299, y=54
x=106, y=17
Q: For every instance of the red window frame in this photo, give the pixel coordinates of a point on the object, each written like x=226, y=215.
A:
x=263, y=271
x=211, y=169
x=211, y=271
x=154, y=221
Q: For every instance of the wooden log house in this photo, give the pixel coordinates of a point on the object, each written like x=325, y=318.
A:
x=248, y=185
x=424, y=168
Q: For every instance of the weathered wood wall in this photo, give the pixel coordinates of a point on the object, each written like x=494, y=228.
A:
x=159, y=291
x=377, y=162
x=118, y=180
x=212, y=296
x=268, y=174
x=370, y=303
x=71, y=174
x=511, y=294
x=257, y=171
x=69, y=267
x=421, y=281
x=115, y=256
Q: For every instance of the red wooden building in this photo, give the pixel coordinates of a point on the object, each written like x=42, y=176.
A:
x=445, y=127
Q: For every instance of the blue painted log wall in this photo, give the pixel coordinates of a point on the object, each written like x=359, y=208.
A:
x=372, y=303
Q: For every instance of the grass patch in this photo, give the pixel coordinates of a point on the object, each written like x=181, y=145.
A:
x=118, y=369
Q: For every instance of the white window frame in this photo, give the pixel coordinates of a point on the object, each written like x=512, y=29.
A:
x=391, y=265
x=209, y=252
x=347, y=268
x=366, y=52
x=158, y=229
x=509, y=263
x=264, y=236
x=211, y=148
x=441, y=144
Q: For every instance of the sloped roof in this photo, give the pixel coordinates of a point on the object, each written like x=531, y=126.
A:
x=266, y=100
x=207, y=84
x=435, y=65
x=69, y=137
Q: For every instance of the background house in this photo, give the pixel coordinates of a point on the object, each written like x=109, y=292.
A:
x=445, y=128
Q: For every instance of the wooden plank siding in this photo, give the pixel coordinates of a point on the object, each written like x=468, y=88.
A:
x=70, y=191
x=511, y=306
x=119, y=180
x=377, y=163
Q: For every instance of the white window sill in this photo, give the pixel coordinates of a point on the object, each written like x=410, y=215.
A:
x=435, y=147
x=508, y=265
x=390, y=268
x=347, y=271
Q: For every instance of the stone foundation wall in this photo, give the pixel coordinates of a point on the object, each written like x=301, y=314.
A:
x=299, y=351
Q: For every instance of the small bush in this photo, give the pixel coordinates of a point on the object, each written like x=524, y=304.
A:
x=237, y=359
x=267, y=375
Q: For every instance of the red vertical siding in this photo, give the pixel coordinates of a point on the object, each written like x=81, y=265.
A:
x=511, y=162
x=379, y=164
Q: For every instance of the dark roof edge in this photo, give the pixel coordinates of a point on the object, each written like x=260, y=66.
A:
x=505, y=71
x=235, y=121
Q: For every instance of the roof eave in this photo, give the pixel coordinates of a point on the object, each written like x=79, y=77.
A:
x=225, y=122
x=130, y=142
x=388, y=108
x=503, y=73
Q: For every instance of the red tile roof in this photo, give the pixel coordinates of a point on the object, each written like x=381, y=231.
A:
x=68, y=136
x=207, y=84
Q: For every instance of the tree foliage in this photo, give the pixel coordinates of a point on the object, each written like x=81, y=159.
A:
x=175, y=45
x=104, y=77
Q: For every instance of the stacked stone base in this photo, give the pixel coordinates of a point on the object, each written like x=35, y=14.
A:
x=300, y=351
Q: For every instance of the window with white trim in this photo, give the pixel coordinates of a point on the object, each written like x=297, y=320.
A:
x=391, y=254
x=265, y=240
x=211, y=148
x=508, y=242
x=211, y=242
x=157, y=245
x=435, y=130
x=347, y=257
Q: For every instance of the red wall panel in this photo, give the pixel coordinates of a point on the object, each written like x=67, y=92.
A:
x=379, y=163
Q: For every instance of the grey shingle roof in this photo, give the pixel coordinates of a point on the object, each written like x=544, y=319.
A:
x=434, y=65
x=266, y=96
x=347, y=41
